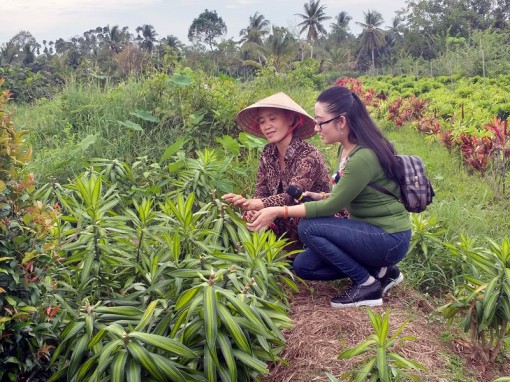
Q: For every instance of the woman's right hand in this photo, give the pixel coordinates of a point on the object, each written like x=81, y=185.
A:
x=263, y=218
x=234, y=199
x=244, y=203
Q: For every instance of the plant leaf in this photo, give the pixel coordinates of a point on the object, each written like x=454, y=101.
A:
x=130, y=125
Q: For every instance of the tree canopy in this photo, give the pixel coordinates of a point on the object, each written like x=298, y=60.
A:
x=206, y=28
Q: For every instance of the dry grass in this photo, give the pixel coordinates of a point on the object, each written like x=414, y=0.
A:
x=320, y=333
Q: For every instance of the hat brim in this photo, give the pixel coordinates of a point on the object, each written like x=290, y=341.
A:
x=248, y=118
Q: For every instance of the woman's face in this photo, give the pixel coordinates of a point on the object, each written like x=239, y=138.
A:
x=274, y=124
x=330, y=127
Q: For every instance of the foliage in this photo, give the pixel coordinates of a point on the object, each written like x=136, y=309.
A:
x=381, y=361
x=484, y=298
x=429, y=270
x=206, y=28
x=26, y=86
x=463, y=125
x=27, y=315
x=162, y=280
x=124, y=122
x=372, y=36
x=152, y=231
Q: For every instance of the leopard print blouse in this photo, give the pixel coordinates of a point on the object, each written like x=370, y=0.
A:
x=305, y=168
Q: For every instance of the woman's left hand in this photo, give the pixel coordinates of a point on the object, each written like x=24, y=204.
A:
x=263, y=218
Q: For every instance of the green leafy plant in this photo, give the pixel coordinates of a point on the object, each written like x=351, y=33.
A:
x=28, y=316
x=483, y=299
x=120, y=341
x=163, y=286
x=381, y=360
x=427, y=268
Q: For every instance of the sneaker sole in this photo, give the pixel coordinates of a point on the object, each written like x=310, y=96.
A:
x=397, y=281
x=377, y=302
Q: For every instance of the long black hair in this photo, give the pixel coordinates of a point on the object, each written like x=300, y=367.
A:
x=362, y=130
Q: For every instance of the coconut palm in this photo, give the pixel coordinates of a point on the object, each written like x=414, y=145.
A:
x=312, y=22
x=252, y=37
x=339, y=59
x=392, y=38
x=341, y=23
x=114, y=37
x=395, y=30
x=281, y=47
x=257, y=29
x=173, y=42
x=147, y=38
x=339, y=34
x=372, y=36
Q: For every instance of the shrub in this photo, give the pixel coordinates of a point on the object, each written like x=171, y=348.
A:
x=28, y=316
x=483, y=299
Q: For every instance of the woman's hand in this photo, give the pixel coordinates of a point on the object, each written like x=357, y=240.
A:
x=244, y=203
x=252, y=204
x=263, y=218
x=233, y=199
x=316, y=195
x=248, y=216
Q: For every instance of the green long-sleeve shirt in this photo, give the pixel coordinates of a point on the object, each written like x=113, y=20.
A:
x=364, y=202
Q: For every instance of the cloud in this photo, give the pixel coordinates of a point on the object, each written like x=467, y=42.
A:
x=241, y=3
x=73, y=5
x=45, y=18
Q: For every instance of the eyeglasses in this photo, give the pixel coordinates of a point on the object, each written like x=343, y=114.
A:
x=325, y=122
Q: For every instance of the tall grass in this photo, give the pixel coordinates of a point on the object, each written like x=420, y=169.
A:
x=139, y=117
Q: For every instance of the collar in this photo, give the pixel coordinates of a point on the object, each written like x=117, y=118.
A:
x=294, y=147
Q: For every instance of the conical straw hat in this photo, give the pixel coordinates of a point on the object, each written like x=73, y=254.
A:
x=248, y=118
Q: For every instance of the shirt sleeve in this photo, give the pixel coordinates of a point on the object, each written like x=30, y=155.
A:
x=311, y=168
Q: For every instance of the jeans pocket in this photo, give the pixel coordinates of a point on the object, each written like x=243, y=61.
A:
x=399, y=250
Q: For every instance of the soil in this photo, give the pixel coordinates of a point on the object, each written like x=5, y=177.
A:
x=320, y=333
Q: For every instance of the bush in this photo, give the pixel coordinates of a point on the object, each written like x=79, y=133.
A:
x=28, y=317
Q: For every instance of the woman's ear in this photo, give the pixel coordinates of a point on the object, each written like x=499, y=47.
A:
x=343, y=121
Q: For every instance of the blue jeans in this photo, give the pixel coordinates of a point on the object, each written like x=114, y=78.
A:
x=338, y=248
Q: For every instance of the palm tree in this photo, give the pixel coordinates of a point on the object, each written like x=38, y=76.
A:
x=339, y=34
x=339, y=59
x=280, y=46
x=341, y=23
x=312, y=19
x=148, y=37
x=252, y=37
x=395, y=30
x=256, y=30
x=372, y=36
x=28, y=54
x=114, y=37
x=173, y=42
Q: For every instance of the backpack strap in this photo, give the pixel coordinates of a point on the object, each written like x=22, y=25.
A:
x=380, y=188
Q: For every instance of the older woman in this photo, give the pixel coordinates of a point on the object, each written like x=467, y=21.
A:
x=286, y=160
x=366, y=247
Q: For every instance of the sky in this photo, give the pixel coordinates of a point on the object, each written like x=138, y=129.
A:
x=53, y=19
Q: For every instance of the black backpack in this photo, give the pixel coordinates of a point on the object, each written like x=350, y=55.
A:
x=415, y=187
